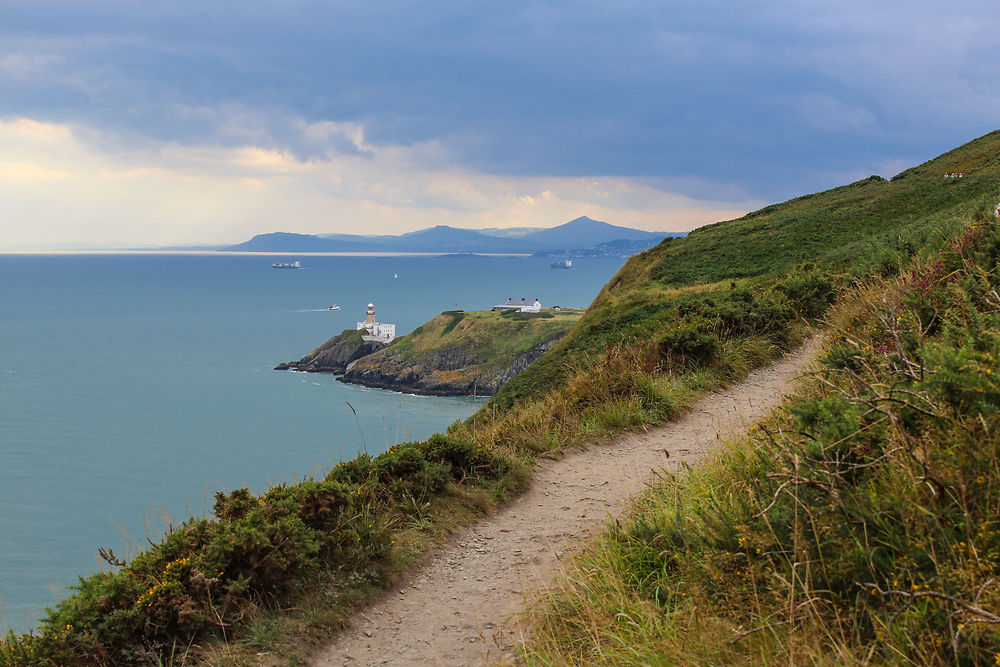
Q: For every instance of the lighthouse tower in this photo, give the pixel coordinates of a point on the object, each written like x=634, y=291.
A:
x=376, y=331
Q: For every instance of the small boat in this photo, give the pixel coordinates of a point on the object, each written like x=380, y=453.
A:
x=282, y=265
x=334, y=307
x=395, y=275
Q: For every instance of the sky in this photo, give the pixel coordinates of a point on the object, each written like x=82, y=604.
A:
x=126, y=123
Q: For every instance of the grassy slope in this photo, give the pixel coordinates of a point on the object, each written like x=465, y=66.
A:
x=496, y=338
x=861, y=523
x=673, y=323
x=855, y=230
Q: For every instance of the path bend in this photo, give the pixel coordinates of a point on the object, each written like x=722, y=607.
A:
x=455, y=609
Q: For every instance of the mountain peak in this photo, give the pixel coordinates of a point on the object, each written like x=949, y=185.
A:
x=582, y=232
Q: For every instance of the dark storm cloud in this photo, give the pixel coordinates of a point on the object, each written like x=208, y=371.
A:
x=777, y=98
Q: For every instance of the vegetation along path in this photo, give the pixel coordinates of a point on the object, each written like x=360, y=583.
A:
x=456, y=609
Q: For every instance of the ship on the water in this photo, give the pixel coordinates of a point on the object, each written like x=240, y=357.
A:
x=564, y=264
x=283, y=265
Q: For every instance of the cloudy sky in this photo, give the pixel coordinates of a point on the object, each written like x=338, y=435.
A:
x=136, y=123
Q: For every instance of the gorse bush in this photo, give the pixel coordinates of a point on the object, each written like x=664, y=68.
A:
x=205, y=575
x=742, y=312
x=808, y=291
x=689, y=342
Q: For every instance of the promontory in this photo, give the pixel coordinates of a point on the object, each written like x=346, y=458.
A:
x=457, y=353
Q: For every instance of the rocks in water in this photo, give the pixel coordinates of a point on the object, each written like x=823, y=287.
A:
x=335, y=355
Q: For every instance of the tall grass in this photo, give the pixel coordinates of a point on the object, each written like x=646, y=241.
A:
x=860, y=524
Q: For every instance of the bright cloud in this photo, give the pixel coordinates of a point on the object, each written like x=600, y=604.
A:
x=235, y=118
x=173, y=194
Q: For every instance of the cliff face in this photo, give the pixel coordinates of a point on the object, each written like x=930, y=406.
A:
x=457, y=353
x=334, y=355
x=451, y=371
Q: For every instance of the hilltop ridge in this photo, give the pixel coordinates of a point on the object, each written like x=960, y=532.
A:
x=854, y=230
x=582, y=232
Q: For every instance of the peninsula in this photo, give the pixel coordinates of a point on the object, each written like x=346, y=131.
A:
x=462, y=353
x=600, y=238
x=457, y=353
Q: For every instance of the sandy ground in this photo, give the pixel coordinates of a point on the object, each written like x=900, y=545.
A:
x=456, y=608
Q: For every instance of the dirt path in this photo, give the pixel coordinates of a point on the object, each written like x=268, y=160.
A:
x=455, y=609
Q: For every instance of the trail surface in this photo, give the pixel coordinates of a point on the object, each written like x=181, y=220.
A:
x=456, y=608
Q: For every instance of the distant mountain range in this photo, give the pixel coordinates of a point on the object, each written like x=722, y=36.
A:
x=580, y=233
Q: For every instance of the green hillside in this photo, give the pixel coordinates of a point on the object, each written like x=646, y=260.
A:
x=494, y=336
x=866, y=228
x=860, y=525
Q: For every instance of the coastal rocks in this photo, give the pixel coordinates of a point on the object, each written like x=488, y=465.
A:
x=456, y=353
x=445, y=372
x=335, y=355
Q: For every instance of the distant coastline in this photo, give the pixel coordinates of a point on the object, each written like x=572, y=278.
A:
x=259, y=253
x=582, y=237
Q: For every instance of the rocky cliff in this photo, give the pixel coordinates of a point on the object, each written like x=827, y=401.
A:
x=334, y=355
x=457, y=353
x=450, y=371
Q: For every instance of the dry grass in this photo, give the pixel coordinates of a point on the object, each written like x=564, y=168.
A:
x=858, y=525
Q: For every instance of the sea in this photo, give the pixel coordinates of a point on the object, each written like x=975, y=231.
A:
x=134, y=386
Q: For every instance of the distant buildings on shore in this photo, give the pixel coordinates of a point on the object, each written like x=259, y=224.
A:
x=380, y=332
x=521, y=305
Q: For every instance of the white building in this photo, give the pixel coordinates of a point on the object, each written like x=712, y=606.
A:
x=376, y=331
x=521, y=305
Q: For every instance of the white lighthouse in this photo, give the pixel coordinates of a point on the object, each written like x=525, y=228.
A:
x=376, y=331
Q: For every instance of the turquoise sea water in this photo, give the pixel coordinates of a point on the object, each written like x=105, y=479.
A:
x=133, y=387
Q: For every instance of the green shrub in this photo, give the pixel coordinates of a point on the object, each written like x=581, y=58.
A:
x=404, y=471
x=464, y=459
x=356, y=472
x=319, y=504
x=235, y=505
x=688, y=342
x=741, y=312
x=809, y=292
